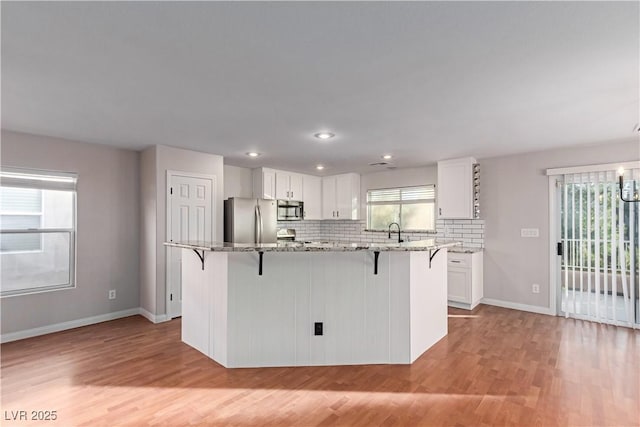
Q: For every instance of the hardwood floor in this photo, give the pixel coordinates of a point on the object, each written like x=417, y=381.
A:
x=496, y=367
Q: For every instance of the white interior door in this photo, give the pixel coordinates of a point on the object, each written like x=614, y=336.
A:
x=190, y=219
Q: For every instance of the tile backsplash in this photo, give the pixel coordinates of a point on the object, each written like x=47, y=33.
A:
x=469, y=231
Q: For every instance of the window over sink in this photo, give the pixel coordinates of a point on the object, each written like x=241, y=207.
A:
x=411, y=207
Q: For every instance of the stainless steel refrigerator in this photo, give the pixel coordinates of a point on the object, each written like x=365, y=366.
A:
x=250, y=220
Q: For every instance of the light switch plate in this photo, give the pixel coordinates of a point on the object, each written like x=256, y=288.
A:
x=529, y=232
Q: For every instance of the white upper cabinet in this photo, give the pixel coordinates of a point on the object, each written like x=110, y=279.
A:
x=312, y=191
x=288, y=186
x=456, y=188
x=264, y=183
x=331, y=197
x=296, y=186
x=282, y=185
x=341, y=196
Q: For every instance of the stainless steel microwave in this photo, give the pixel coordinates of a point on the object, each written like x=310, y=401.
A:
x=290, y=210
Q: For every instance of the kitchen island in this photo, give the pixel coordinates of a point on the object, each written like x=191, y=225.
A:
x=323, y=303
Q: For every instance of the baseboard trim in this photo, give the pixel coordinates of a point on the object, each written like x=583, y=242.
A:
x=57, y=327
x=518, y=306
x=153, y=318
x=462, y=305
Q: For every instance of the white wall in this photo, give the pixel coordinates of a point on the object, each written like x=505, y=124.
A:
x=237, y=182
x=513, y=195
x=148, y=229
x=153, y=287
x=107, y=230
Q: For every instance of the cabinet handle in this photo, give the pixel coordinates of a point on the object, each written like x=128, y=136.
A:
x=333, y=213
x=338, y=214
x=292, y=194
x=456, y=261
x=439, y=211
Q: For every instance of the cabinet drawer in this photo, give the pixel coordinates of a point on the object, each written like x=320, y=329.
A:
x=459, y=260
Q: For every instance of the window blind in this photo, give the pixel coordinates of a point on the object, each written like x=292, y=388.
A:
x=14, y=200
x=404, y=194
x=43, y=180
x=599, y=234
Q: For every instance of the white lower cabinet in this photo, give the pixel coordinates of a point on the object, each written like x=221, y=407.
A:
x=464, y=279
x=241, y=319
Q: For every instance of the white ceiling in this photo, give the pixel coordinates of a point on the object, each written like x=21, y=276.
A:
x=422, y=80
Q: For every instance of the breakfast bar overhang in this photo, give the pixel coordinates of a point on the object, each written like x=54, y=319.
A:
x=259, y=305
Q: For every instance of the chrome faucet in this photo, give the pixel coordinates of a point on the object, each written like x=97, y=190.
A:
x=399, y=239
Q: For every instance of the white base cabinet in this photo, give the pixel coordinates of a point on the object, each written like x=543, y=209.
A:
x=241, y=319
x=464, y=279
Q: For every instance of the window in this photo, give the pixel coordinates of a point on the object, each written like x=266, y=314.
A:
x=37, y=231
x=20, y=208
x=411, y=207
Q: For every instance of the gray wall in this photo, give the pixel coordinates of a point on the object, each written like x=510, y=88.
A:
x=156, y=161
x=107, y=230
x=237, y=182
x=514, y=194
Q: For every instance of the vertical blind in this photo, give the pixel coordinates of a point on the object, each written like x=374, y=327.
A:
x=599, y=234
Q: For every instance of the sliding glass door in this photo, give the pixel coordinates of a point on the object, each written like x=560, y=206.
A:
x=598, y=252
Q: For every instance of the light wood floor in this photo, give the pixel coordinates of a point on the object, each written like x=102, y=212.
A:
x=496, y=367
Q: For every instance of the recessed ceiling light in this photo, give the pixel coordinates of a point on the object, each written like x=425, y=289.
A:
x=253, y=154
x=324, y=135
x=319, y=167
x=387, y=157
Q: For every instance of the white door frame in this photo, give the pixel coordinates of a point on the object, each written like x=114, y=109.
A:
x=167, y=254
x=553, y=240
x=553, y=175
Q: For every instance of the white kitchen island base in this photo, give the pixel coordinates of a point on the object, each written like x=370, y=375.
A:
x=242, y=319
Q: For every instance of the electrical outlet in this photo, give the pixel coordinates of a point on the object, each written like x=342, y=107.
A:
x=535, y=288
x=529, y=232
x=112, y=294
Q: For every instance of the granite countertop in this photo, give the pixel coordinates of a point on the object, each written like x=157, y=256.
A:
x=324, y=246
x=465, y=250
